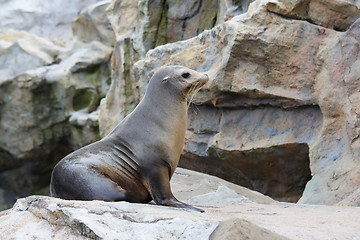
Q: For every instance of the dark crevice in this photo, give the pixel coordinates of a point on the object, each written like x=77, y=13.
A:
x=294, y=17
x=265, y=149
x=253, y=98
x=280, y=172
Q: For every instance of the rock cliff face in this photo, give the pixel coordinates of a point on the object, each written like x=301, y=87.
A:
x=281, y=110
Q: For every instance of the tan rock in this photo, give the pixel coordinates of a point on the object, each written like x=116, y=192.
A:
x=335, y=14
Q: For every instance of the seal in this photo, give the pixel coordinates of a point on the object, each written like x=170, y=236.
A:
x=136, y=161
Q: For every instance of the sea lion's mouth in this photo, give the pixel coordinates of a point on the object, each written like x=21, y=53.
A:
x=195, y=87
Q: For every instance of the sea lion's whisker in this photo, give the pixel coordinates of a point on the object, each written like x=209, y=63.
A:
x=193, y=91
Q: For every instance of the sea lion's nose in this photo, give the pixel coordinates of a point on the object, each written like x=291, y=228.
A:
x=206, y=75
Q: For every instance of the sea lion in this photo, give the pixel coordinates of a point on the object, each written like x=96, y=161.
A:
x=136, y=161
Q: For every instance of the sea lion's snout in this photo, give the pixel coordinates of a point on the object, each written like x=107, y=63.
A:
x=195, y=80
x=205, y=79
x=202, y=81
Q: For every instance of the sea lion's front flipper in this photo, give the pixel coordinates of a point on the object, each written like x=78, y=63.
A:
x=160, y=191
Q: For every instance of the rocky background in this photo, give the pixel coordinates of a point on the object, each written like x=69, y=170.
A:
x=280, y=115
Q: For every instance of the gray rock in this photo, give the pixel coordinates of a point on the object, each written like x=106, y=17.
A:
x=92, y=24
x=51, y=19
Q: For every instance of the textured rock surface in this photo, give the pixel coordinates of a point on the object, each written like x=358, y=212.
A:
x=42, y=18
x=231, y=212
x=281, y=109
x=49, y=89
x=92, y=24
x=338, y=14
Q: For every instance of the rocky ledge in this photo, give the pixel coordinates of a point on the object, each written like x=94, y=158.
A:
x=231, y=212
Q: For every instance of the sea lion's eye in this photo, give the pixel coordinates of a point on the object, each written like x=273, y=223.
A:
x=186, y=75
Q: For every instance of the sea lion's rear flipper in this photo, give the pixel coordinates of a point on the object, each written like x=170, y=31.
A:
x=160, y=191
x=78, y=182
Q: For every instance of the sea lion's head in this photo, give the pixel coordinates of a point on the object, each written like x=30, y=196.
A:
x=178, y=80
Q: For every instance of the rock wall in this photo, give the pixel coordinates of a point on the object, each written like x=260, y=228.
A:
x=280, y=112
x=52, y=77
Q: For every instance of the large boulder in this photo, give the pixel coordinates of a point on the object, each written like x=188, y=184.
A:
x=231, y=212
x=280, y=111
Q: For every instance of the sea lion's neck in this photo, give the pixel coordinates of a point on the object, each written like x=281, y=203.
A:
x=166, y=103
x=158, y=119
x=170, y=114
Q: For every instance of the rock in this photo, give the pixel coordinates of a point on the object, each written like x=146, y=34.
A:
x=92, y=24
x=42, y=217
x=280, y=115
x=242, y=229
x=50, y=91
x=274, y=117
x=30, y=50
x=52, y=19
x=338, y=14
x=229, y=9
x=35, y=109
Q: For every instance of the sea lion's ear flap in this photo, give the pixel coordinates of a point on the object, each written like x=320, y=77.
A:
x=165, y=79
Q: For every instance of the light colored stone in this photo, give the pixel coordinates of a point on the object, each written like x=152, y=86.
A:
x=229, y=9
x=21, y=51
x=51, y=19
x=92, y=24
x=42, y=217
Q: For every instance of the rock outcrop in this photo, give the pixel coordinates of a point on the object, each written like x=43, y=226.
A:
x=281, y=110
x=231, y=212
